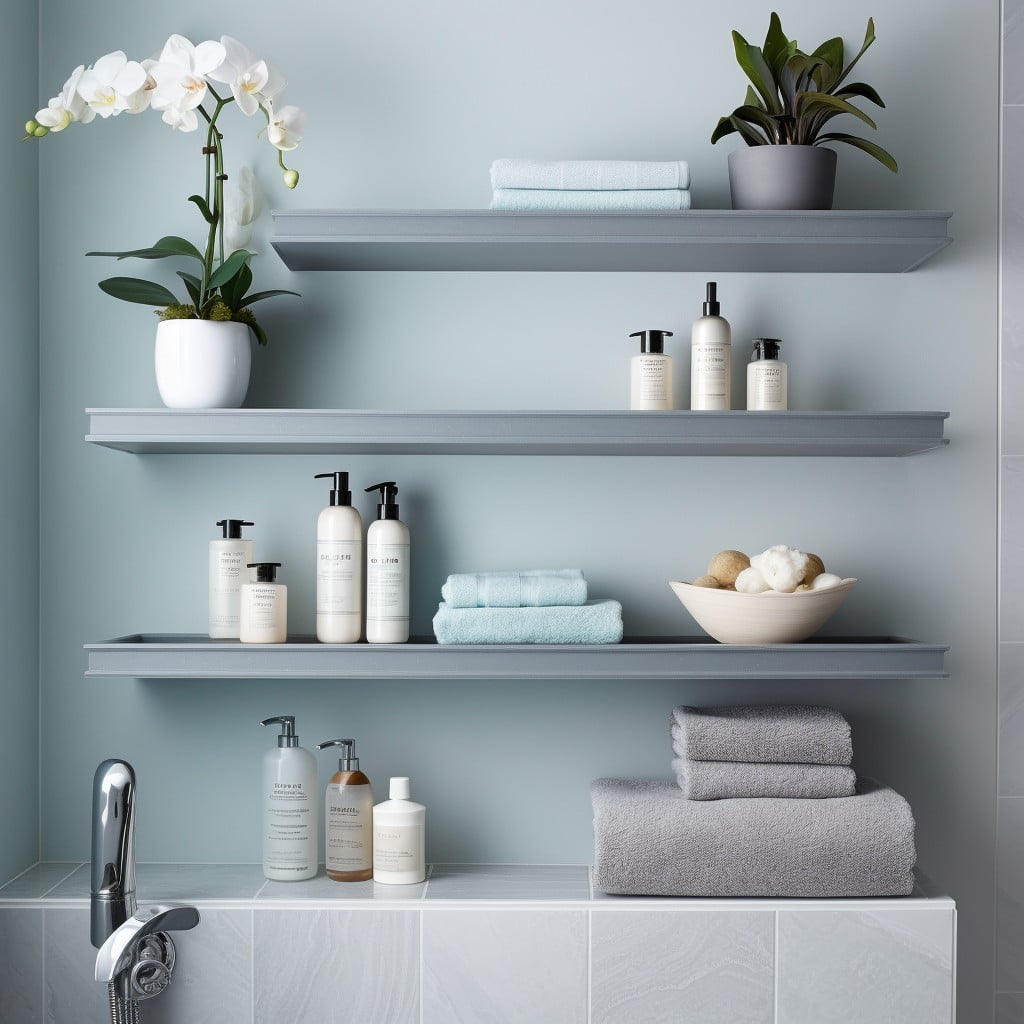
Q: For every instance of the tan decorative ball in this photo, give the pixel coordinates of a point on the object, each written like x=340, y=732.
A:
x=727, y=565
x=707, y=581
x=815, y=567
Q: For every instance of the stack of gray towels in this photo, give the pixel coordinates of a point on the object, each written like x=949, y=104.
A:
x=590, y=185
x=524, y=606
x=765, y=803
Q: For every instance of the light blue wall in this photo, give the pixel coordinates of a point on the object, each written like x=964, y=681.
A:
x=19, y=444
x=407, y=105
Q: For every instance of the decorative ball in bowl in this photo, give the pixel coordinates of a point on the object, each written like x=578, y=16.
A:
x=771, y=617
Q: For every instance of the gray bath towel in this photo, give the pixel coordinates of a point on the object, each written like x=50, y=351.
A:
x=723, y=780
x=649, y=840
x=793, y=733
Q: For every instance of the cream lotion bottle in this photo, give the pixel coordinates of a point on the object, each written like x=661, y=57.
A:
x=711, y=357
x=263, y=614
x=767, y=377
x=387, y=571
x=290, y=842
x=339, y=567
x=650, y=373
x=399, y=847
x=348, y=818
x=230, y=555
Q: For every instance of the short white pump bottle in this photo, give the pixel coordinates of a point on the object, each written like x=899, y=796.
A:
x=263, y=614
x=290, y=835
x=399, y=837
x=711, y=357
x=767, y=377
x=348, y=818
x=229, y=557
x=387, y=571
x=650, y=373
x=339, y=567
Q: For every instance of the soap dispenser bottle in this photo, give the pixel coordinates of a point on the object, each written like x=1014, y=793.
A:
x=767, y=377
x=229, y=557
x=711, y=357
x=289, y=807
x=348, y=818
x=339, y=567
x=263, y=615
x=399, y=847
x=650, y=373
x=387, y=571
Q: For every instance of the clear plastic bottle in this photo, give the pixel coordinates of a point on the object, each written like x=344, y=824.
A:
x=348, y=818
x=290, y=837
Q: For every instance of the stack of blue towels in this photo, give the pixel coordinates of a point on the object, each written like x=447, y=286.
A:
x=528, y=606
x=590, y=185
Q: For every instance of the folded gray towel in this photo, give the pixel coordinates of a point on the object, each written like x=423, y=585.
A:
x=649, y=840
x=724, y=780
x=793, y=733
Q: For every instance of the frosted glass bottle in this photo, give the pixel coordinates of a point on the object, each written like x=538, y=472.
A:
x=348, y=818
x=399, y=837
x=290, y=834
x=711, y=358
x=229, y=557
x=339, y=567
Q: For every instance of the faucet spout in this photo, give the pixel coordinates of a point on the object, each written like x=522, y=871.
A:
x=113, y=849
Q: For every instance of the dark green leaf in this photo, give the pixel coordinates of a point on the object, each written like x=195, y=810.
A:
x=132, y=289
x=723, y=128
x=256, y=296
x=869, y=38
x=261, y=335
x=777, y=48
x=859, y=89
x=193, y=285
x=169, y=245
x=752, y=99
x=752, y=61
x=204, y=208
x=228, y=268
x=831, y=52
x=881, y=155
x=233, y=290
x=757, y=117
x=811, y=103
x=749, y=134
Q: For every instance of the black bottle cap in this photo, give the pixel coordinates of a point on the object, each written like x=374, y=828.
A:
x=266, y=572
x=651, y=340
x=386, y=507
x=765, y=348
x=340, y=494
x=232, y=528
x=712, y=307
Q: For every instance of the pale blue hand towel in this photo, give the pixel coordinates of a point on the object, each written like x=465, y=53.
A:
x=730, y=780
x=524, y=588
x=596, y=622
x=525, y=199
x=590, y=174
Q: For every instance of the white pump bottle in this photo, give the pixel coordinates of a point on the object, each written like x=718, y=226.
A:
x=339, y=567
x=290, y=844
x=387, y=571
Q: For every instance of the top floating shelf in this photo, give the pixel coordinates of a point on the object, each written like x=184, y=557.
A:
x=787, y=241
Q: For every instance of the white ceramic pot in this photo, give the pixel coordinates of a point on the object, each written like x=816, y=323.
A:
x=202, y=364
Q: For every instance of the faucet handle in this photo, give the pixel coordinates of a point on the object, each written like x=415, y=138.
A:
x=119, y=951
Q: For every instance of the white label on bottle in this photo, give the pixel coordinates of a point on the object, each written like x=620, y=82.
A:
x=287, y=821
x=387, y=587
x=263, y=610
x=349, y=833
x=337, y=569
x=709, y=376
x=768, y=386
x=397, y=847
x=653, y=379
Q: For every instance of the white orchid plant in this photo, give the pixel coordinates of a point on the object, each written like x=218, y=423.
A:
x=183, y=83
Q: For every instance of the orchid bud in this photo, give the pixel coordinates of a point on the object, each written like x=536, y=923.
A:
x=291, y=178
x=30, y=127
x=39, y=131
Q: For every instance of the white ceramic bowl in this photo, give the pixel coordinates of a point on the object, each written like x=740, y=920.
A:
x=768, y=618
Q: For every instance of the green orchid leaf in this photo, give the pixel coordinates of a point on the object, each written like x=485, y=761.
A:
x=869, y=38
x=811, y=103
x=257, y=296
x=132, y=289
x=831, y=52
x=233, y=290
x=204, y=208
x=229, y=268
x=752, y=99
x=193, y=285
x=754, y=66
x=723, y=128
x=882, y=156
x=777, y=48
x=261, y=336
x=760, y=119
x=859, y=89
x=169, y=245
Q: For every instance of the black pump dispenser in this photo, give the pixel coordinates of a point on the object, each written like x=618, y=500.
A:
x=287, y=738
x=386, y=507
x=266, y=572
x=232, y=528
x=765, y=348
x=651, y=340
x=340, y=494
x=712, y=307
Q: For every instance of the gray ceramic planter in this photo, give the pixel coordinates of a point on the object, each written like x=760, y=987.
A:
x=782, y=177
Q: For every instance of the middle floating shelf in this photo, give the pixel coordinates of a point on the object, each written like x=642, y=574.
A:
x=619, y=432
x=188, y=656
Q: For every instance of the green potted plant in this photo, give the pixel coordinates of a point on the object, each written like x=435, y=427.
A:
x=792, y=97
x=203, y=337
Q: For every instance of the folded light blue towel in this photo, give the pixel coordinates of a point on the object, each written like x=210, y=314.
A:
x=590, y=174
x=596, y=622
x=590, y=199
x=525, y=588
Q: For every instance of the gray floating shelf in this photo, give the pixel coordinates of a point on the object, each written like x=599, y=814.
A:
x=313, y=431
x=186, y=656
x=831, y=241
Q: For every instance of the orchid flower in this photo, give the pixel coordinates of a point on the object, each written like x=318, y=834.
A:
x=241, y=208
x=109, y=85
x=67, y=107
x=140, y=99
x=250, y=79
x=180, y=73
x=284, y=126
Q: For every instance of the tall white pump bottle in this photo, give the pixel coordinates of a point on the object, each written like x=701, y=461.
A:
x=387, y=571
x=711, y=357
x=339, y=567
x=290, y=800
x=229, y=557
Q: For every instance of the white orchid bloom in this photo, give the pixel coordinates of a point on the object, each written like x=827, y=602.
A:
x=250, y=79
x=179, y=73
x=241, y=208
x=67, y=107
x=284, y=126
x=140, y=99
x=107, y=86
x=182, y=119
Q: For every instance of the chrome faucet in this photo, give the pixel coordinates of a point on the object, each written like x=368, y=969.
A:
x=113, y=849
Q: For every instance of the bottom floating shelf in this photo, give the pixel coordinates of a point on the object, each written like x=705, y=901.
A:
x=194, y=656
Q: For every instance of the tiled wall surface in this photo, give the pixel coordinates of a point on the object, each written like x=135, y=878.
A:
x=478, y=945
x=1010, y=828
